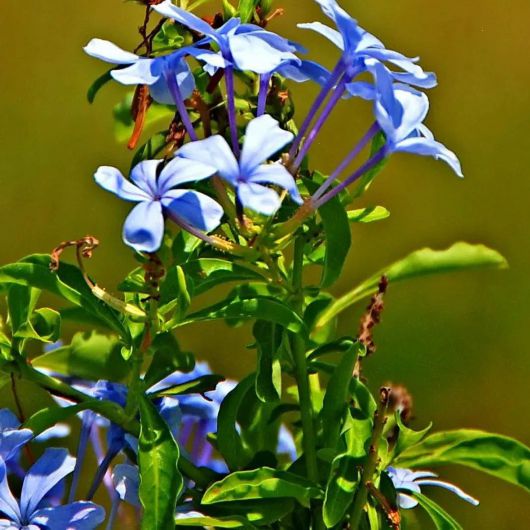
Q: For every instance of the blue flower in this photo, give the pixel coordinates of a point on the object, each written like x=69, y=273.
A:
x=153, y=71
x=144, y=227
x=244, y=46
x=13, y=437
x=411, y=481
x=31, y=512
x=362, y=50
x=400, y=111
x=263, y=139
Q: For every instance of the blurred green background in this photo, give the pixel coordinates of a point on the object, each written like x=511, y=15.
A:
x=458, y=342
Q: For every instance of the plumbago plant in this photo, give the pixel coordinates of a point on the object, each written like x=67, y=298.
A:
x=225, y=195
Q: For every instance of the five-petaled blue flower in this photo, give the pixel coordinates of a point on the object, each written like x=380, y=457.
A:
x=362, y=50
x=153, y=72
x=244, y=46
x=400, y=111
x=263, y=139
x=408, y=481
x=144, y=227
x=32, y=512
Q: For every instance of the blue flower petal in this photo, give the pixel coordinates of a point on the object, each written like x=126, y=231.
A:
x=255, y=55
x=144, y=227
x=258, y=198
x=8, y=503
x=144, y=175
x=406, y=502
x=213, y=151
x=263, y=138
x=11, y=440
x=109, y=52
x=451, y=487
x=362, y=89
x=413, y=105
x=305, y=71
x=139, y=73
x=49, y=469
x=8, y=420
x=345, y=23
x=76, y=516
x=61, y=430
x=182, y=170
x=168, y=10
x=278, y=175
x=127, y=482
x=196, y=209
x=427, y=147
x=111, y=179
x=331, y=34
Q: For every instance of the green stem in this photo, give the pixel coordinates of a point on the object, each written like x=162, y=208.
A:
x=370, y=467
x=298, y=347
x=111, y=411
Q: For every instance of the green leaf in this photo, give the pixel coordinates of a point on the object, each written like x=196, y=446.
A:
x=200, y=385
x=228, y=439
x=168, y=357
x=124, y=122
x=26, y=322
x=368, y=215
x=494, y=454
x=98, y=84
x=90, y=355
x=408, y=437
x=262, y=483
x=337, y=237
x=175, y=293
x=458, y=257
x=342, y=482
x=337, y=394
x=440, y=517
x=160, y=479
x=48, y=417
x=68, y=283
x=198, y=519
x=269, y=371
x=207, y=273
x=256, y=308
x=21, y=301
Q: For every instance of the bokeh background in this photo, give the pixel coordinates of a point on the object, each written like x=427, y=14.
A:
x=459, y=343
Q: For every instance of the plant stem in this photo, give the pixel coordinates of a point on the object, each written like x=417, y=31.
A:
x=231, y=105
x=302, y=376
x=370, y=467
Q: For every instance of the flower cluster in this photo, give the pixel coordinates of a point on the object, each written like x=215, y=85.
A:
x=231, y=171
x=254, y=171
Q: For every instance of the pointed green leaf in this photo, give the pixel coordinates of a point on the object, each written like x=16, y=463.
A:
x=337, y=395
x=340, y=490
x=207, y=273
x=228, y=439
x=368, y=215
x=262, y=483
x=98, y=84
x=269, y=371
x=256, y=308
x=408, y=437
x=200, y=385
x=458, y=257
x=201, y=520
x=160, y=479
x=68, y=283
x=441, y=519
x=494, y=454
x=90, y=355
